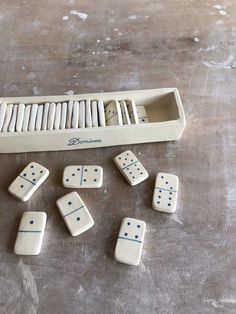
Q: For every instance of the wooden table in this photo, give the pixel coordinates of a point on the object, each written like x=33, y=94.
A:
x=189, y=261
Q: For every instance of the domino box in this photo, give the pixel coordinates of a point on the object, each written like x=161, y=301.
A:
x=164, y=111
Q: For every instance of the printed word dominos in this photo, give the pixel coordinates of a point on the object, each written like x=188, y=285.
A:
x=28, y=181
x=165, y=192
x=131, y=167
x=75, y=213
x=30, y=234
x=130, y=241
x=82, y=177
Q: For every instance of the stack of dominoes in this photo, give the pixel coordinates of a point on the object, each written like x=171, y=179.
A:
x=71, y=114
x=74, y=211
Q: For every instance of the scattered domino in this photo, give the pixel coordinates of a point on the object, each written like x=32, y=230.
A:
x=101, y=114
x=82, y=114
x=30, y=234
x=130, y=241
x=131, y=167
x=113, y=113
x=33, y=115
x=51, y=115
x=132, y=111
x=28, y=181
x=94, y=113
x=63, y=116
x=12, y=125
x=20, y=117
x=3, y=109
x=45, y=116
x=165, y=192
x=124, y=112
x=142, y=114
x=88, y=115
x=69, y=114
x=75, y=213
x=26, y=118
x=57, y=117
x=82, y=177
x=75, y=115
x=39, y=118
x=7, y=117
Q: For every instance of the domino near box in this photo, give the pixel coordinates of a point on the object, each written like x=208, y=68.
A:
x=163, y=106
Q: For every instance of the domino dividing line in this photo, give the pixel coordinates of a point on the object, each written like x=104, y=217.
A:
x=73, y=211
x=130, y=165
x=130, y=239
x=166, y=189
x=27, y=180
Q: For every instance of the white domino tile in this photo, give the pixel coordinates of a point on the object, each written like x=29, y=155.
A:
x=101, y=113
x=124, y=112
x=94, y=107
x=131, y=167
x=28, y=181
x=75, y=213
x=39, y=118
x=165, y=192
x=113, y=113
x=132, y=111
x=7, y=117
x=82, y=114
x=30, y=234
x=69, y=114
x=33, y=115
x=130, y=241
x=20, y=117
x=82, y=177
x=26, y=118
x=3, y=109
x=12, y=125
x=57, y=117
x=142, y=114
x=75, y=115
x=45, y=116
x=51, y=115
x=63, y=116
x=88, y=115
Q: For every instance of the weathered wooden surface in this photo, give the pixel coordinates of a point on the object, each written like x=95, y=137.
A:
x=188, y=263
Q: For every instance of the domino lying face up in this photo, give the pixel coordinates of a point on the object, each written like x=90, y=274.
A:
x=130, y=241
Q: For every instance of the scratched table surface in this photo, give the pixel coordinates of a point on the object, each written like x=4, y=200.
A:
x=188, y=264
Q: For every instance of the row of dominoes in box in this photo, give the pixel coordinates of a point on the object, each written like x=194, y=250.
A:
x=67, y=115
x=75, y=212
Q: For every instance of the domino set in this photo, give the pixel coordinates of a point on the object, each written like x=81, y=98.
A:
x=74, y=211
x=48, y=123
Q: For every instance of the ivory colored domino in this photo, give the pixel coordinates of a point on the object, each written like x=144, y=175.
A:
x=130, y=240
x=26, y=118
x=51, y=115
x=20, y=117
x=101, y=113
x=12, y=125
x=82, y=114
x=131, y=167
x=30, y=234
x=165, y=192
x=75, y=115
x=63, y=116
x=88, y=115
x=82, y=177
x=39, y=118
x=28, y=181
x=124, y=112
x=69, y=114
x=3, y=109
x=132, y=109
x=45, y=116
x=113, y=113
x=7, y=117
x=94, y=113
x=32, y=119
x=57, y=117
x=142, y=114
x=75, y=213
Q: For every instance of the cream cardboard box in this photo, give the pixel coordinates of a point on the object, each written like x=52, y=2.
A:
x=164, y=110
